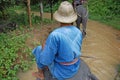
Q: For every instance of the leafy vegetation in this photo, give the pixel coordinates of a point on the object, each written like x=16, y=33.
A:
x=13, y=55
x=105, y=11
x=16, y=55
x=20, y=18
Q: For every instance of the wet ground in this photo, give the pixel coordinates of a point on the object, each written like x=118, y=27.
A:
x=101, y=45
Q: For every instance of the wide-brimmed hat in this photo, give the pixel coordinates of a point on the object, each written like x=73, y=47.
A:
x=65, y=13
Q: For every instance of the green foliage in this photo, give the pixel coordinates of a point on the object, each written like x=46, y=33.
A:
x=13, y=52
x=35, y=7
x=104, y=7
x=21, y=18
x=117, y=76
x=119, y=68
x=3, y=5
x=55, y=6
x=35, y=19
x=47, y=21
x=107, y=11
x=34, y=2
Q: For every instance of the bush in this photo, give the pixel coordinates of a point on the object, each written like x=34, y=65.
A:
x=13, y=52
x=106, y=11
x=22, y=18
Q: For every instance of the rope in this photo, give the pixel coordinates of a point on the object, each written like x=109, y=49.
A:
x=88, y=57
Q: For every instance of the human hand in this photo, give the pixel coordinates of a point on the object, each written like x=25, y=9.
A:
x=43, y=45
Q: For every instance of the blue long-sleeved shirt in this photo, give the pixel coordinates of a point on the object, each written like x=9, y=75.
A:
x=62, y=45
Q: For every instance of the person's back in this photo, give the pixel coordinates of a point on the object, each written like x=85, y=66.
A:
x=61, y=52
x=71, y=37
x=68, y=40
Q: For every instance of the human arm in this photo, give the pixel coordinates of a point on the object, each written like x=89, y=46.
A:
x=48, y=51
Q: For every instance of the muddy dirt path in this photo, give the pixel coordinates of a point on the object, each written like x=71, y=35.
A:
x=101, y=42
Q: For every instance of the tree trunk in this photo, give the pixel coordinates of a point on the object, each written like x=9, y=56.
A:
x=41, y=9
x=29, y=12
x=51, y=4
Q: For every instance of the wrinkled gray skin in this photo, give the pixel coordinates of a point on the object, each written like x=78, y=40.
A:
x=82, y=15
x=84, y=73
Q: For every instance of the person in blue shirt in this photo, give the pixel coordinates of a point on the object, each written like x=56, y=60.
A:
x=62, y=49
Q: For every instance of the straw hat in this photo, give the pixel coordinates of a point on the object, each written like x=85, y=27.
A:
x=65, y=13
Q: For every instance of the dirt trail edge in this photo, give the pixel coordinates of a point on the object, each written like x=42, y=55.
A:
x=102, y=43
